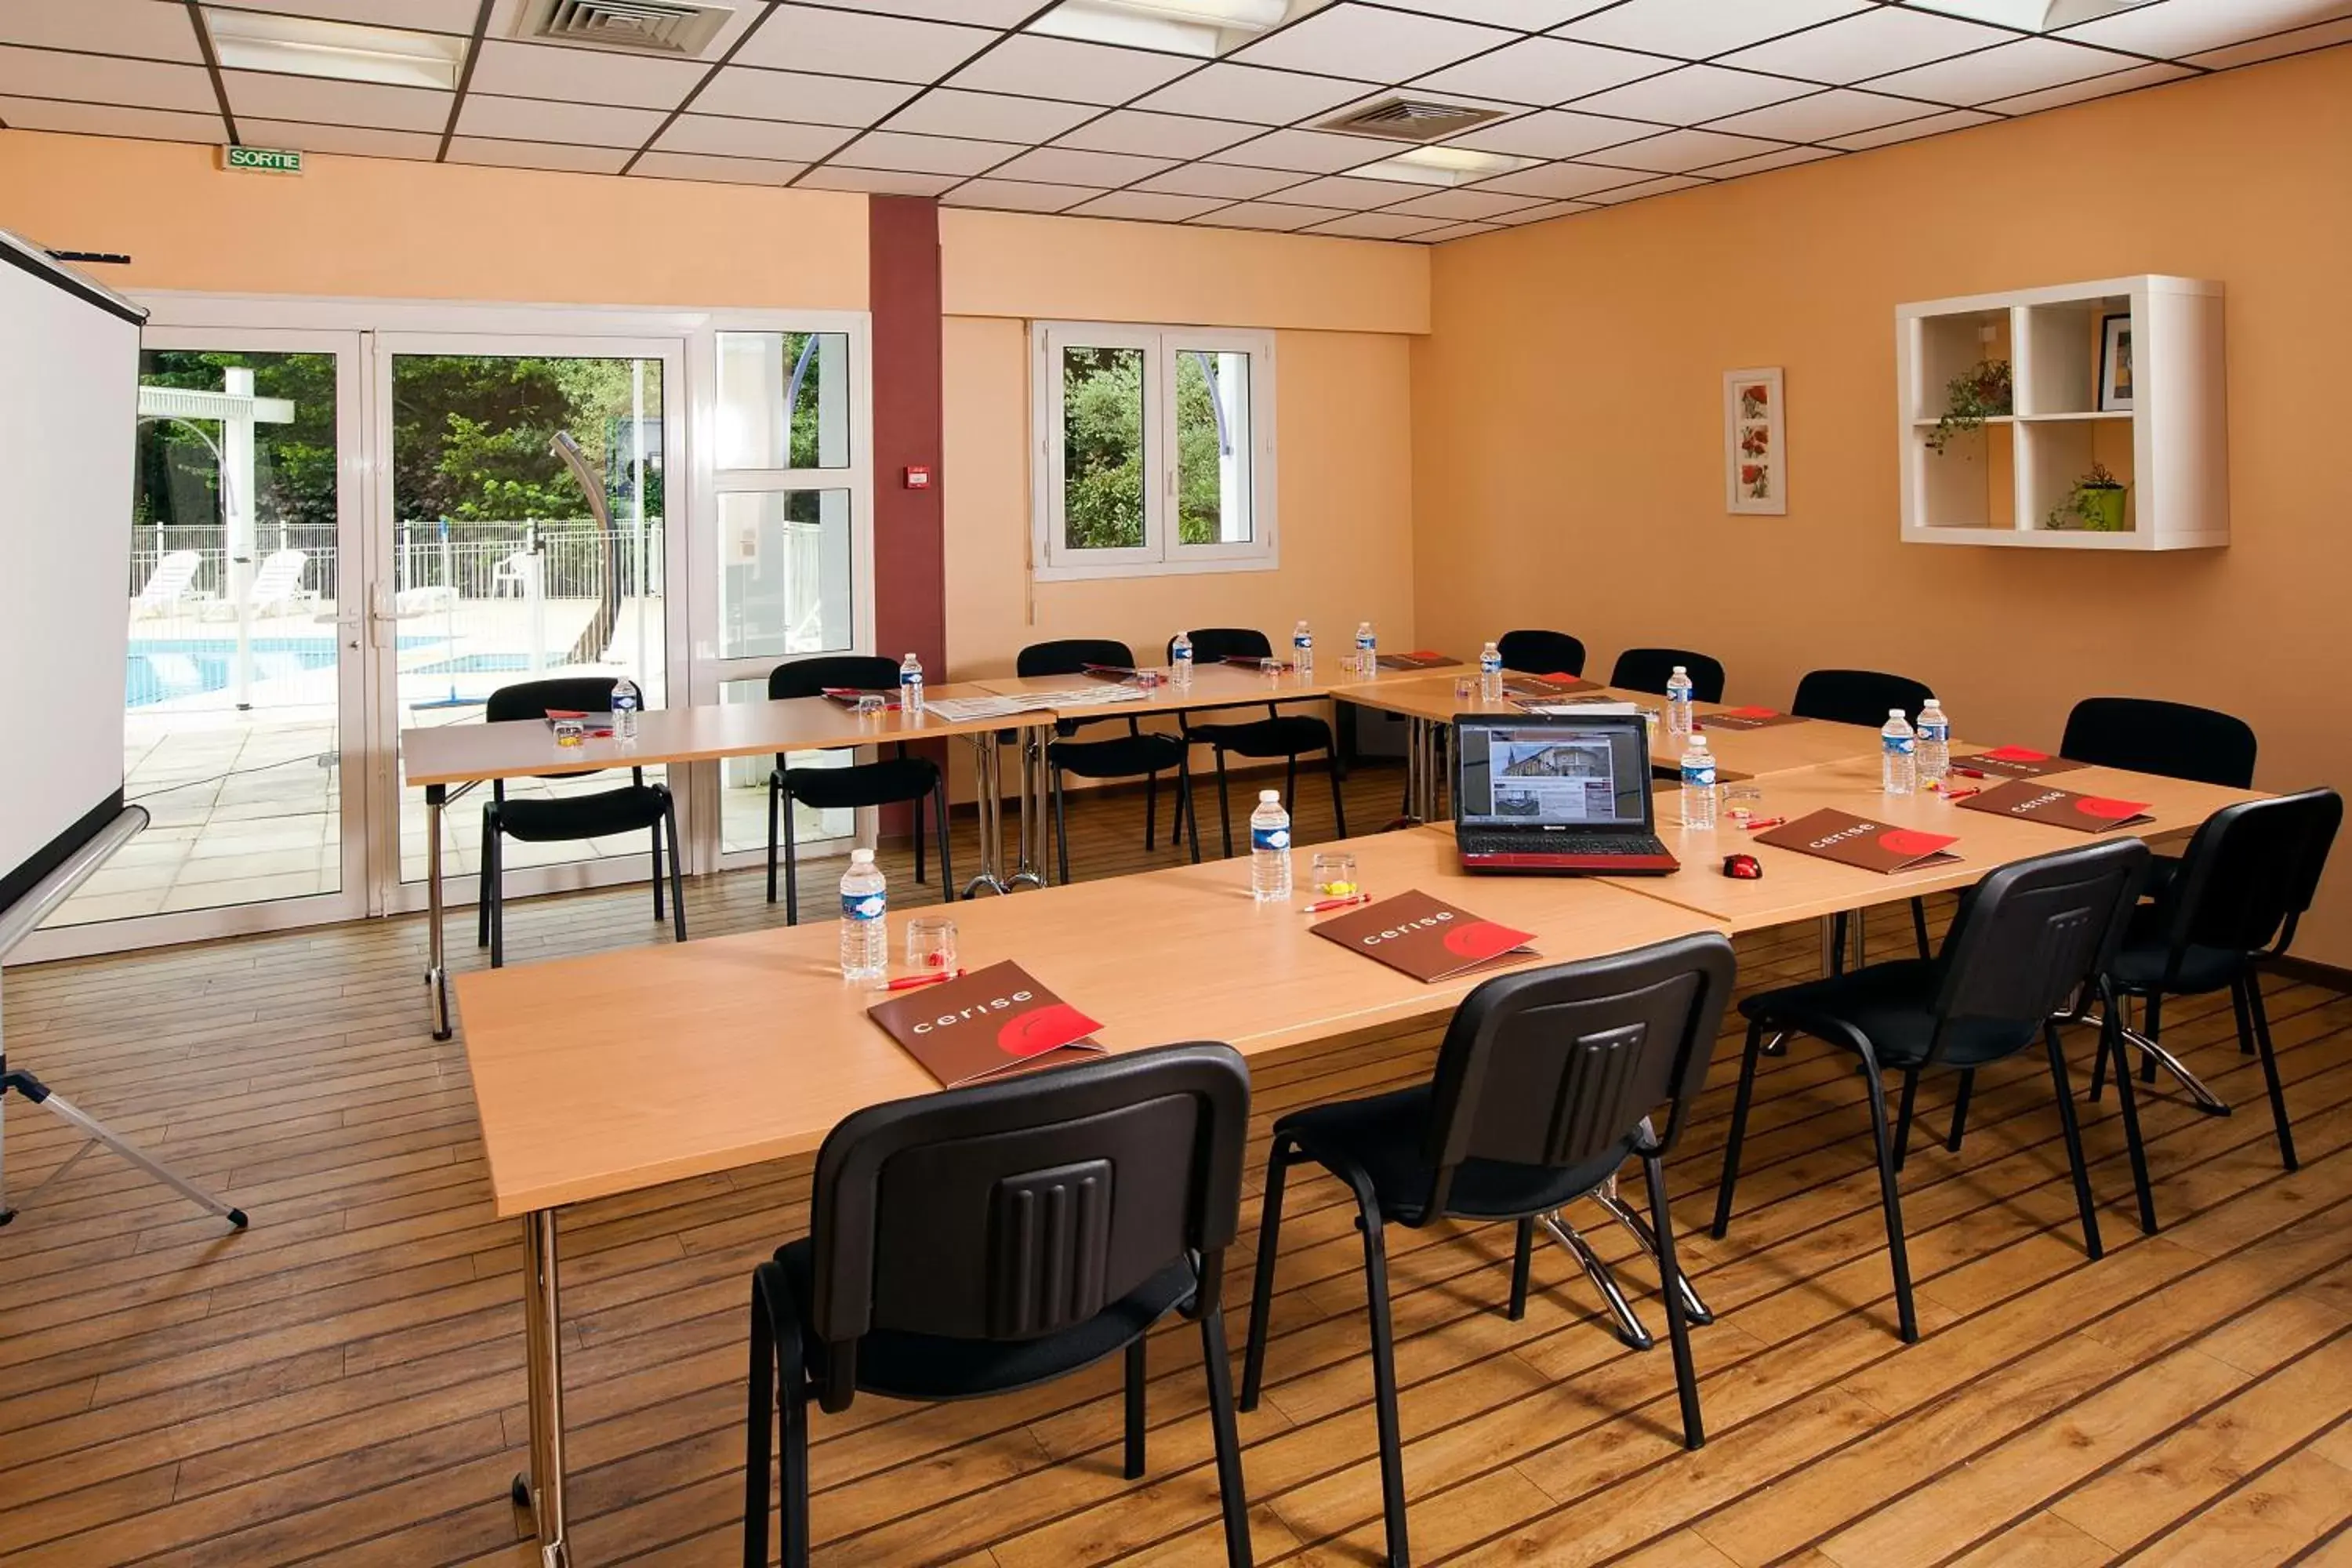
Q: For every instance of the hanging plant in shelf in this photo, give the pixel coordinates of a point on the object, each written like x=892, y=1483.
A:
x=1979, y=393
x=2096, y=505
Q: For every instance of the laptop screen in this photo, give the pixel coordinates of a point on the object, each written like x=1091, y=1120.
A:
x=1553, y=772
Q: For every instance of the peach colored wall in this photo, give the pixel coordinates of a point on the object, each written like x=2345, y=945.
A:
x=1092, y=270
x=1568, y=411
x=383, y=229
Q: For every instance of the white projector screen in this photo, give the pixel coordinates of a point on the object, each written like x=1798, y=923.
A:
x=68, y=416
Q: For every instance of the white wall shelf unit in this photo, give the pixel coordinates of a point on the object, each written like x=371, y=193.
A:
x=2000, y=485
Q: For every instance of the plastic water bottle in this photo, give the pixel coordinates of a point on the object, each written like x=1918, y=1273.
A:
x=865, y=918
x=1179, y=661
x=627, y=701
x=1898, y=754
x=1270, y=850
x=1699, y=784
x=1934, y=746
x=1368, y=657
x=1490, y=673
x=1678, y=702
x=1302, y=650
x=910, y=687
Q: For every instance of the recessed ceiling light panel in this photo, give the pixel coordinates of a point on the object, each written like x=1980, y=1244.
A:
x=2032, y=15
x=342, y=51
x=1445, y=166
x=1201, y=28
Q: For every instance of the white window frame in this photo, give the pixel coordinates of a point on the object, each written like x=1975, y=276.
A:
x=1161, y=553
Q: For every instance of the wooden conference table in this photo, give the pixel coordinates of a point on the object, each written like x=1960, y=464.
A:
x=578, y=1101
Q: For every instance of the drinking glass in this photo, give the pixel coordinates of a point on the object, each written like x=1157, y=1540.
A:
x=930, y=943
x=571, y=732
x=1741, y=802
x=871, y=705
x=1332, y=874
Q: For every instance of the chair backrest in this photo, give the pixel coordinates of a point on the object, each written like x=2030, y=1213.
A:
x=172, y=574
x=280, y=574
x=1007, y=1211
x=2174, y=738
x=1068, y=656
x=1649, y=669
x=1555, y=1066
x=1542, y=653
x=535, y=699
x=810, y=676
x=1212, y=644
x=2033, y=933
x=1857, y=696
x=2249, y=874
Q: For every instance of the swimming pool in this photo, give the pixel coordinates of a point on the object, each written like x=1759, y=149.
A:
x=164, y=668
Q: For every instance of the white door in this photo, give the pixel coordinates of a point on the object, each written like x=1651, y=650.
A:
x=245, y=709
x=493, y=567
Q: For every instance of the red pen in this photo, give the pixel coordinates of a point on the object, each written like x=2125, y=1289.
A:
x=1755, y=822
x=1968, y=773
x=1960, y=794
x=1316, y=909
x=911, y=981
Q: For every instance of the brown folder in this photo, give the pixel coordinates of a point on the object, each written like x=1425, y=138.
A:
x=1852, y=840
x=1424, y=938
x=2060, y=807
x=992, y=1022
x=1547, y=687
x=2015, y=763
x=1420, y=658
x=1747, y=719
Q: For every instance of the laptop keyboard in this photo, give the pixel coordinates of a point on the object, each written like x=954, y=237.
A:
x=1476, y=843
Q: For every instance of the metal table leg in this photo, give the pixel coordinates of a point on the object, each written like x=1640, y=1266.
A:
x=436, y=970
x=1031, y=868
x=540, y=1488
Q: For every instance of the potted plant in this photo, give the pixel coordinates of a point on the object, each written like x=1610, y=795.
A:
x=1978, y=394
x=2096, y=504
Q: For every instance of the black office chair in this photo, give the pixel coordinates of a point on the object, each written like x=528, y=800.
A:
x=1649, y=669
x=1279, y=734
x=1126, y=756
x=1544, y=1087
x=1862, y=696
x=2173, y=739
x=2247, y=877
x=890, y=781
x=564, y=819
x=992, y=1238
x=1542, y=653
x=2035, y=933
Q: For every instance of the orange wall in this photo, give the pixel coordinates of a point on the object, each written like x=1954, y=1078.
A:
x=379, y=228
x=1568, y=411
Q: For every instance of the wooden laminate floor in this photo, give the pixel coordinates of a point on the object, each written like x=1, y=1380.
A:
x=343, y=1383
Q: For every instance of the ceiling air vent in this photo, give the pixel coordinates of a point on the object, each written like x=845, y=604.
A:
x=650, y=27
x=1411, y=119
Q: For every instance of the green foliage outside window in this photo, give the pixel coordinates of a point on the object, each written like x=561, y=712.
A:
x=1102, y=450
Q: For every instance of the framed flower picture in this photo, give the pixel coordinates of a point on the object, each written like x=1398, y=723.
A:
x=1754, y=442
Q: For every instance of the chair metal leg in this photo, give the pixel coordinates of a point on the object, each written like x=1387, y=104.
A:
x=656, y=835
x=2253, y=989
x=1629, y=1323
x=791, y=869
x=1061, y=829
x=793, y=1508
x=946, y=866
x=676, y=875
x=2151, y=1025
x=2082, y=1199
x=1891, y=1200
x=1338, y=794
x=1677, y=1327
x=1233, y=1495
x=1903, y=1118
x=1627, y=1216
x=1225, y=806
x=1523, y=1246
x=1135, y=1376
x=1152, y=811
x=1838, y=928
x=1290, y=783
x=1919, y=927
x=494, y=874
x=759, y=1437
x=1384, y=1384
x=2111, y=1039
x=915, y=809
x=2154, y=1055
x=1960, y=1109
x=482, y=895
x=1269, y=1234
x=775, y=793
x=1191, y=808
x=1739, y=1103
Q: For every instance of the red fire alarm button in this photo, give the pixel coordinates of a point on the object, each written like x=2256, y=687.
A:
x=918, y=479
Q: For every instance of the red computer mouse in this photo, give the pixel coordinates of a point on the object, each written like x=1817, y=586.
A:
x=1746, y=868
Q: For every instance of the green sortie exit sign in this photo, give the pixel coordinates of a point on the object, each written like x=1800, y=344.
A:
x=264, y=158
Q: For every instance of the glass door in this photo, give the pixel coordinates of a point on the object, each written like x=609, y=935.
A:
x=244, y=695
x=501, y=559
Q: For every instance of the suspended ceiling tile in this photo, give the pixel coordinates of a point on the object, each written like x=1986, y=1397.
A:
x=1556, y=133
x=325, y=103
x=2277, y=44
x=925, y=154
x=1066, y=68
x=1543, y=71
x=1561, y=180
x=1690, y=94
x=1544, y=212
x=1678, y=152
x=759, y=94
x=1074, y=166
x=418, y=15
x=1869, y=43
x=1374, y=226
x=2096, y=87
x=1840, y=111
x=1764, y=162
x=1457, y=231
x=537, y=119
x=877, y=182
x=2005, y=71
x=2172, y=28
x=508, y=22
x=1460, y=204
x=1224, y=180
x=1271, y=215
x=723, y=171
x=350, y=141
x=1153, y=207
x=149, y=29
x=106, y=120
x=100, y=79
x=775, y=138
x=1527, y=15
x=1647, y=188
x=1913, y=129
x=852, y=43
x=985, y=13
x=1370, y=43
x=1347, y=192
x=1700, y=30
x=557, y=155
x=1227, y=91
x=1156, y=135
x=1017, y=195
x=582, y=76
x=1309, y=151
x=990, y=116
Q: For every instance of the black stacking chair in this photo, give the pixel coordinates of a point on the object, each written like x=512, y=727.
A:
x=2033, y=934
x=2173, y=739
x=1861, y=697
x=889, y=781
x=1279, y=734
x=2246, y=878
x=1544, y=1087
x=633, y=808
x=1131, y=755
x=1542, y=653
x=1649, y=669
x=986, y=1240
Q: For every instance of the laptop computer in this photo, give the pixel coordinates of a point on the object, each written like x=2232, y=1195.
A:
x=1566, y=795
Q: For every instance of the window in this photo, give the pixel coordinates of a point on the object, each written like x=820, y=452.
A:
x=1153, y=453
x=784, y=446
